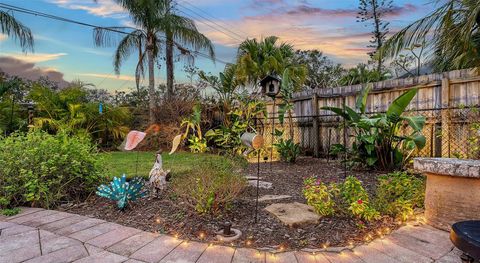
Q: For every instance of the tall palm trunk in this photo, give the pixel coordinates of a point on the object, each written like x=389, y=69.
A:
x=170, y=65
x=151, y=80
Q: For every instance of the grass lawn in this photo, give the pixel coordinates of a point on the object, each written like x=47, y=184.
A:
x=118, y=163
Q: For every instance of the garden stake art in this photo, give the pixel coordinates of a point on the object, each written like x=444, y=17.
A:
x=122, y=191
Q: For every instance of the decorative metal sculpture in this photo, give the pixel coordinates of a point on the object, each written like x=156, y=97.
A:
x=158, y=176
x=122, y=191
x=254, y=142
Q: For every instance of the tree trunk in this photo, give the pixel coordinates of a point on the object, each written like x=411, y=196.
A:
x=170, y=65
x=151, y=82
x=378, y=34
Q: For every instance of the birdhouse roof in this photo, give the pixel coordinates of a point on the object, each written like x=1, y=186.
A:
x=270, y=78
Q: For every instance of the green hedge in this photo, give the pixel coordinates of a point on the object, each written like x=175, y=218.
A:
x=43, y=170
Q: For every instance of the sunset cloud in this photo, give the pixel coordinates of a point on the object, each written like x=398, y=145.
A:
x=36, y=57
x=108, y=76
x=28, y=70
x=103, y=8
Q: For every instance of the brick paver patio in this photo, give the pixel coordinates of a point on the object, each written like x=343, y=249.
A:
x=37, y=235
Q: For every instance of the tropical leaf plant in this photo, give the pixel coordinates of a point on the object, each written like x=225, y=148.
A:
x=379, y=140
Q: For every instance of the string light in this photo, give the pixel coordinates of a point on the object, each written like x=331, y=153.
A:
x=201, y=235
x=157, y=220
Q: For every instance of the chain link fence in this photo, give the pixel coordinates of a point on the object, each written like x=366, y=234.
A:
x=452, y=132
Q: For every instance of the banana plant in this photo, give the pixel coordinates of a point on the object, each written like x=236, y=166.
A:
x=379, y=141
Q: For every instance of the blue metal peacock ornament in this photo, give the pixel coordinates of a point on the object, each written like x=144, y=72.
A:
x=122, y=191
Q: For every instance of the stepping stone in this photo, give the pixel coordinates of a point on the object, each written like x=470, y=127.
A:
x=266, y=198
x=243, y=255
x=132, y=244
x=156, y=250
x=286, y=257
x=217, y=254
x=65, y=255
x=185, y=252
x=113, y=237
x=294, y=214
x=261, y=184
x=103, y=257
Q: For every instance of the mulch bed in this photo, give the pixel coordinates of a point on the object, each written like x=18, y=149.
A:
x=167, y=215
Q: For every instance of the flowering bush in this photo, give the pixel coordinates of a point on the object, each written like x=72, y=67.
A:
x=320, y=196
x=399, y=193
x=356, y=200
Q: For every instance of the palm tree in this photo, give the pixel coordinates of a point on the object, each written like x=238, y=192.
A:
x=257, y=59
x=181, y=32
x=155, y=25
x=13, y=28
x=362, y=74
x=451, y=32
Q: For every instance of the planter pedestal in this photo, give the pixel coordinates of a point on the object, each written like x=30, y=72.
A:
x=453, y=190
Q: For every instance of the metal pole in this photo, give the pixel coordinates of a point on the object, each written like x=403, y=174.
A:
x=258, y=183
x=345, y=141
x=273, y=132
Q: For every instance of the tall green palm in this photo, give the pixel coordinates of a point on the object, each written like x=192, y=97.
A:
x=13, y=28
x=181, y=32
x=155, y=25
x=257, y=59
x=451, y=32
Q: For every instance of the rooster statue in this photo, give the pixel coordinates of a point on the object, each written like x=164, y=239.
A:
x=158, y=176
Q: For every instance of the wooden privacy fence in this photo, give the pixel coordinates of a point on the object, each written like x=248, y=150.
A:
x=450, y=102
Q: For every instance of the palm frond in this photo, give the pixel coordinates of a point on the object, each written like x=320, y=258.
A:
x=19, y=32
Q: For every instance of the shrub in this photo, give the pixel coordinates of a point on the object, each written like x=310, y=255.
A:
x=210, y=188
x=43, y=170
x=320, y=196
x=288, y=150
x=399, y=193
x=356, y=200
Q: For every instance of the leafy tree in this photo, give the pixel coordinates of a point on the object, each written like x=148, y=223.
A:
x=451, y=34
x=374, y=11
x=225, y=85
x=154, y=21
x=322, y=72
x=257, y=59
x=69, y=111
x=362, y=74
x=12, y=93
x=13, y=28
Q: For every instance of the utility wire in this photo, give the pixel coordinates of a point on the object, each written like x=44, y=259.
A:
x=212, y=17
x=223, y=29
x=67, y=20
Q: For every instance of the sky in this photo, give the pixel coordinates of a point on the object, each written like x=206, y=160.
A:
x=65, y=52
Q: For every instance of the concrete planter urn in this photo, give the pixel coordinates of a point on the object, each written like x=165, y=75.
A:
x=453, y=190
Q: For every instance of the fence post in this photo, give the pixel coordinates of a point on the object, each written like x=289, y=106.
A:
x=316, y=137
x=445, y=117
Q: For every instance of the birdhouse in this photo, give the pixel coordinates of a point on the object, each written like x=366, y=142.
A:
x=271, y=85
